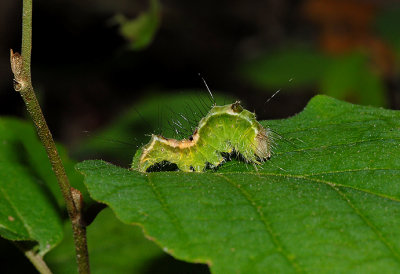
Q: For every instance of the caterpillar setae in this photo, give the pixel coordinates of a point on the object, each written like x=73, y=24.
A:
x=225, y=129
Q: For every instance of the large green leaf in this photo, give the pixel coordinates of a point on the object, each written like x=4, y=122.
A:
x=113, y=247
x=328, y=200
x=28, y=210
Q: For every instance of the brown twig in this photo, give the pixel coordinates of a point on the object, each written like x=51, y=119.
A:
x=21, y=67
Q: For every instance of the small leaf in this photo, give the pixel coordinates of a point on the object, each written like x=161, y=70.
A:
x=140, y=31
x=113, y=247
x=28, y=211
x=328, y=200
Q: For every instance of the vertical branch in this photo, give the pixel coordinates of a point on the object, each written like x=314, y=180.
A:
x=21, y=67
x=26, y=46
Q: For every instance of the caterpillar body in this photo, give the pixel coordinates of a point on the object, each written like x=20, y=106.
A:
x=225, y=129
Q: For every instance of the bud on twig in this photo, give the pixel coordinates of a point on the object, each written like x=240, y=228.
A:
x=78, y=199
x=17, y=69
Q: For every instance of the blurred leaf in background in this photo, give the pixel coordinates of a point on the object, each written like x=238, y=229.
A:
x=31, y=204
x=20, y=144
x=346, y=77
x=141, y=30
x=350, y=78
x=289, y=68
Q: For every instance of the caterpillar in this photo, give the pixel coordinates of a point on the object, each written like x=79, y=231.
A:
x=225, y=129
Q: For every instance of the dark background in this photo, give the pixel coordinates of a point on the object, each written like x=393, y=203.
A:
x=85, y=74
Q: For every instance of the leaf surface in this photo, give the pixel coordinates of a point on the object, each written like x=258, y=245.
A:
x=328, y=199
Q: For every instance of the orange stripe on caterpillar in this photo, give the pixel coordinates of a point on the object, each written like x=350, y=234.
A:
x=225, y=129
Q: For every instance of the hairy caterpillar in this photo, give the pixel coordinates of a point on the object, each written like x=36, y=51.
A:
x=225, y=129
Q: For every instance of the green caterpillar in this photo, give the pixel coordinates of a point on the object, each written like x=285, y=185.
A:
x=225, y=129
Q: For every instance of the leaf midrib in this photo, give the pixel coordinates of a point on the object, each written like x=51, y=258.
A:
x=368, y=222
x=331, y=124
x=257, y=208
x=165, y=207
x=308, y=177
x=338, y=144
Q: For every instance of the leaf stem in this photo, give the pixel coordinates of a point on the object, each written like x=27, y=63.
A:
x=34, y=258
x=21, y=66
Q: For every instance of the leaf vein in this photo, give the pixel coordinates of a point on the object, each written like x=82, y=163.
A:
x=352, y=170
x=334, y=124
x=165, y=206
x=268, y=228
x=338, y=144
x=368, y=223
x=307, y=177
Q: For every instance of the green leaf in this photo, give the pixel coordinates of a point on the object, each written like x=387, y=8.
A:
x=28, y=211
x=113, y=247
x=140, y=31
x=327, y=201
